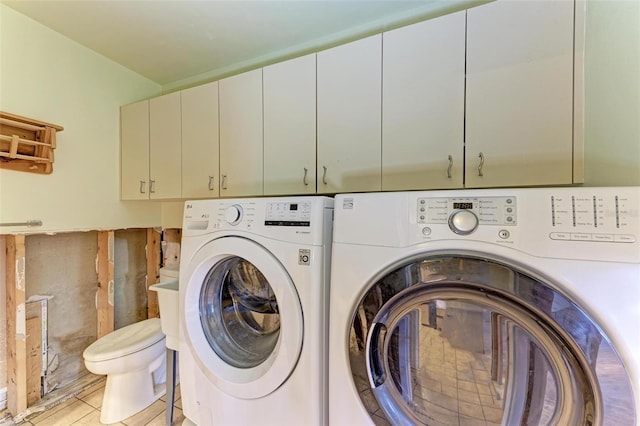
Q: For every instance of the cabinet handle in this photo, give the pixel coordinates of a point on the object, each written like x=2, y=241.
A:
x=450, y=167
x=224, y=181
x=152, y=186
x=210, y=183
x=142, y=184
x=304, y=178
x=481, y=157
x=324, y=175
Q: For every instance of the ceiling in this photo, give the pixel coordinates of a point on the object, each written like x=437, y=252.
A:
x=184, y=42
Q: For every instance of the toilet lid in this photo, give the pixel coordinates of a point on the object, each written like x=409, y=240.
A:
x=125, y=341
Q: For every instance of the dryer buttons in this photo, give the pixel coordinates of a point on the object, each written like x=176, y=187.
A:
x=504, y=234
x=463, y=222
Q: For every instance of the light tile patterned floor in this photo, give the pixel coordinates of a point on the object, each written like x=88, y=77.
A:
x=84, y=410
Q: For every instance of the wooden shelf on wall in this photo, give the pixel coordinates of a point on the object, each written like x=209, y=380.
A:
x=26, y=144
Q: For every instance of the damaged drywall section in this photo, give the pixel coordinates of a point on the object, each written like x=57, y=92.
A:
x=62, y=267
x=60, y=278
x=130, y=291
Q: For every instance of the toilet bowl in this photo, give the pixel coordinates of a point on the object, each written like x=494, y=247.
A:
x=133, y=359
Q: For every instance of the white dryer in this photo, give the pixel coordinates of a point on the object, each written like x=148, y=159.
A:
x=486, y=307
x=253, y=305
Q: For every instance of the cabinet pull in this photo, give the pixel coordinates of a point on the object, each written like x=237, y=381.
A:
x=450, y=167
x=481, y=157
x=224, y=181
x=210, y=183
x=152, y=186
x=142, y=184
x=324, y=175
x=304, y=178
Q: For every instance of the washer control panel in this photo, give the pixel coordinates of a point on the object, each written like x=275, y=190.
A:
x=288, y=214
x=464, y=214
x=233, y=214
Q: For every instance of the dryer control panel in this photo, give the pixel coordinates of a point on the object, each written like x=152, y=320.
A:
x=600, y=223
x=487, y=210
x=599, y=217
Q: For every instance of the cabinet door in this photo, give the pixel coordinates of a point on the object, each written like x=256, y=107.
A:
x=241, y=135
x=519, y=97
x=423, y=105
x=290, y=126
x=134, y=151
x=349, y=117
x=200, y=142
x=164, y=147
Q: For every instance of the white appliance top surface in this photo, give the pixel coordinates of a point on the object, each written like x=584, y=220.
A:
x=599, y=224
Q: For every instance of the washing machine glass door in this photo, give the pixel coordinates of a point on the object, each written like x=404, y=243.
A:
x=239, y=313
x=243, y=317
x=461, y=340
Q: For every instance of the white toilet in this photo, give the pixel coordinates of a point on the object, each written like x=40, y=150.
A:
x=133, y=359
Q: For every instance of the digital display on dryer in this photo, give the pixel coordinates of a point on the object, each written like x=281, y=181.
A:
x=463, y=206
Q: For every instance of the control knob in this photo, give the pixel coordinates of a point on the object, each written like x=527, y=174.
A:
x=233, y=214
x=463, y=222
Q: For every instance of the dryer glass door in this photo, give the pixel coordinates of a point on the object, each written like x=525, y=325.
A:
x=461, y=340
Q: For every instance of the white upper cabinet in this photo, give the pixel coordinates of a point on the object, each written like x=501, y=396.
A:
x=349, y=117
x=200, y=142
x=520, y=94
x=488, y=97
x=134, y=151
x=423, y=105
x=165, y=147
x=290, y=126
x=150, y=149
x=241, y=149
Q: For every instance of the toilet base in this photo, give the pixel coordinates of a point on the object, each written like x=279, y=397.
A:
x=129, y=393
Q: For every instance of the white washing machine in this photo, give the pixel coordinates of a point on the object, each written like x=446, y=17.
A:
x=486, y=307
x=254, y=280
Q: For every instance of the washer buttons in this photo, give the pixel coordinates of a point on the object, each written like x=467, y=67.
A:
x=504, y=234
x=426, y=231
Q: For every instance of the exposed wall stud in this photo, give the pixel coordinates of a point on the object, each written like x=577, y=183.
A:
x=104, y=296
x=16, y=324
x=153, y=271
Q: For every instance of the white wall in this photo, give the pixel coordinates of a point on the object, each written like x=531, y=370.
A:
x=612, y=93
x=172, y=214
x=45, y=76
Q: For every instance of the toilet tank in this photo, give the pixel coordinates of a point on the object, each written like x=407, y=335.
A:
x=168, y=302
